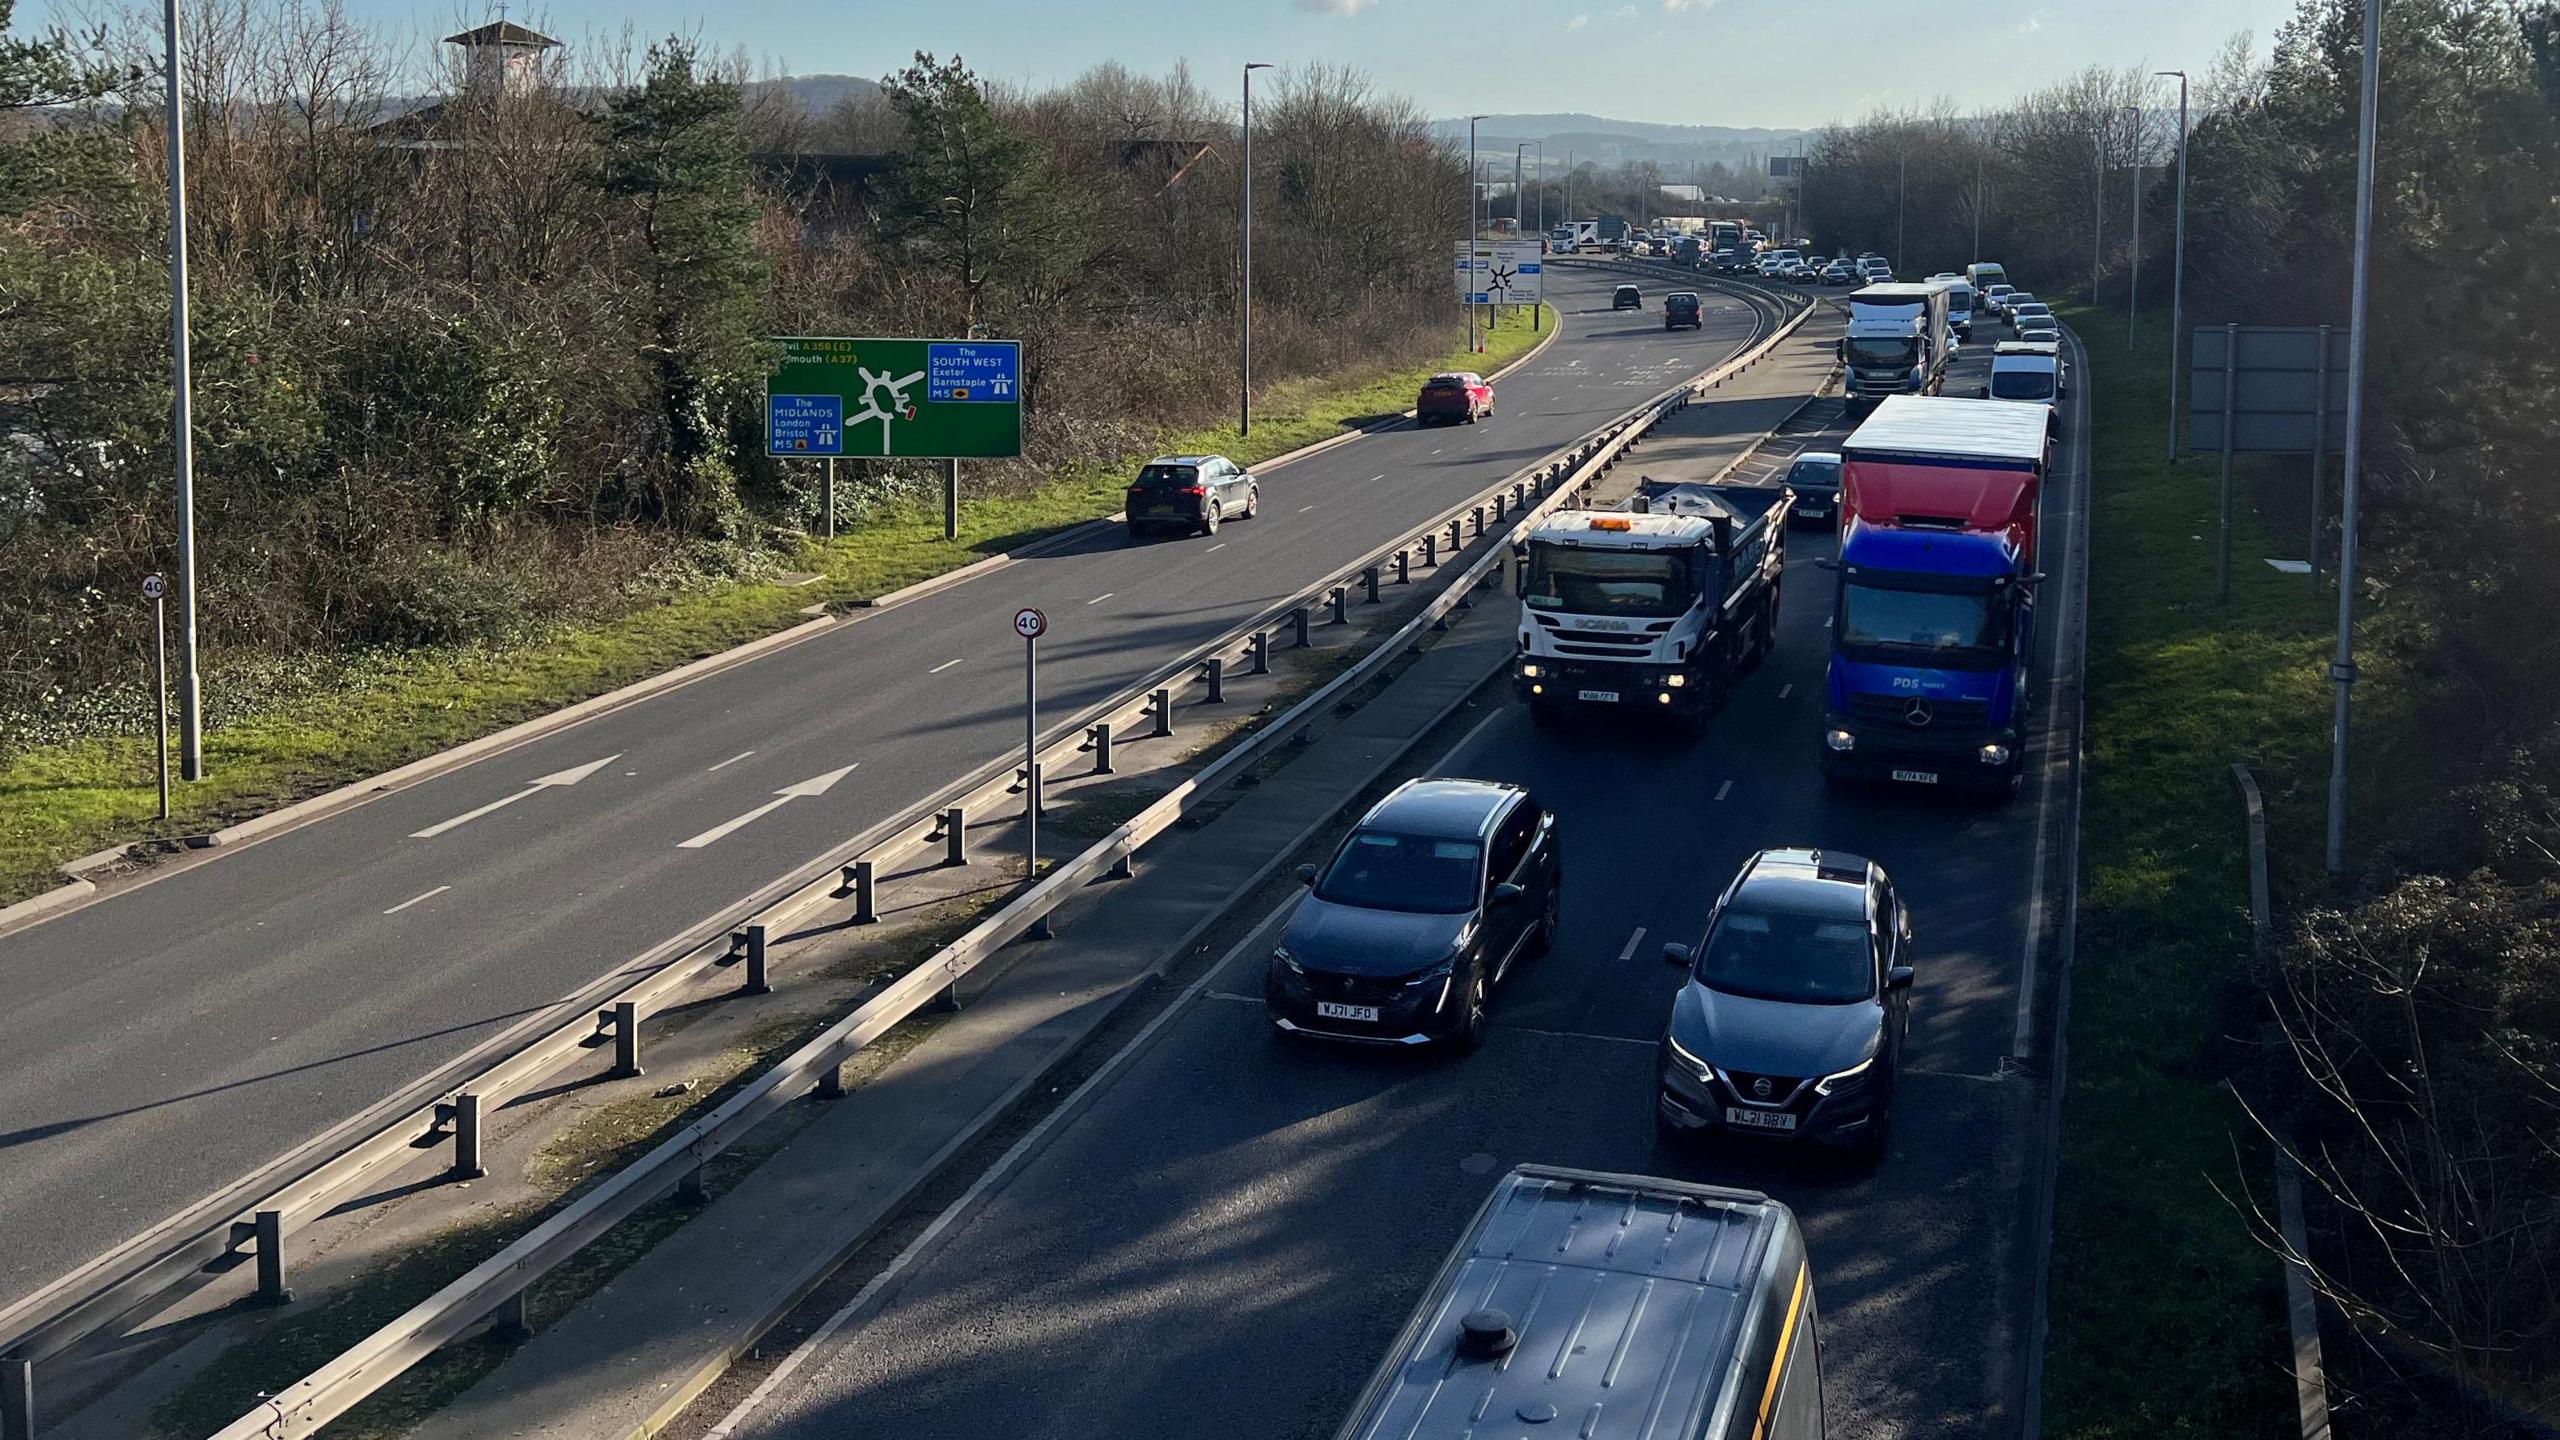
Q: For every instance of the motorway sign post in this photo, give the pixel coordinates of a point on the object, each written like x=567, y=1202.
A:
x=1491, y=273
x=156, y=590
x=895, y=399
x=1031, y=624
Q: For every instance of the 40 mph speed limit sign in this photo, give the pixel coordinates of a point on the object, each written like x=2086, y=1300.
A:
x=1030, y=624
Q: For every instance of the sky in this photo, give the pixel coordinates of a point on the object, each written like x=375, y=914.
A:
x=1775, y=63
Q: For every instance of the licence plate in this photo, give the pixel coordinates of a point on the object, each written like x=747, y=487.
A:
x=1609, y=695
x=1328, y=1010
x=1917, y=777
x=1758, y=1119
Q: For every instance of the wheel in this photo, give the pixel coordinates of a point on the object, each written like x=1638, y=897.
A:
x=1252, y=501
x=1469, y=1035
x=1872, y=1146
x=1471, y=414
x=1545, y=939
x=1209, y=521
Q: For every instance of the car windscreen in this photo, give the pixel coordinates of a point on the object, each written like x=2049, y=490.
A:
x=1168, y=477
x=1607, y=582
x=1421, y=874
x=1880, y=618
x=1445, y=382
x=1784, y=955
x=1814, y=475
x=2021, y=384
x=1626, y=292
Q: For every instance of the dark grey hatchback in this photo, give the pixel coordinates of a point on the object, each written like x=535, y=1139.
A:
x=1798, y=1002
x=1418, y=916
x=1190, y=494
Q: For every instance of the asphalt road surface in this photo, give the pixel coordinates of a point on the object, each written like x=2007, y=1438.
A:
x=181, y=1033
x=1227, y=1235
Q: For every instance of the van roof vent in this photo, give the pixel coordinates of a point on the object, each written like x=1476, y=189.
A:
x=1486, y=1334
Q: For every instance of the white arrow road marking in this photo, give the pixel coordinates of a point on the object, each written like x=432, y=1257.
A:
x=561, y=777
x=814, y=785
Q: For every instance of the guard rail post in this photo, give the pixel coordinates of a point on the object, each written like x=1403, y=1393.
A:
x=831, y=1082
x=624, y=1017
x=756, y=981
x=1404, y=567
x=862, y=882
x=1257, y=650
x=1213, y=672
x=466, y=1138
x=1161, y=704
x=268, y=1227
x=1431, y=550
x=1457, y=538
x=689, y=1186
x=1298, y=637
x=1369, y=578
x=954, y=835
x=513, y=1319
x=1479, y=517
x=1339, y=600
x=1100, y=743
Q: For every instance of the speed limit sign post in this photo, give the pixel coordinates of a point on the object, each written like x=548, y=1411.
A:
x=156, y=590
x=1031, y=624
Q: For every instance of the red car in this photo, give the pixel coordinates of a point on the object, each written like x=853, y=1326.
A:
x=1457, y=395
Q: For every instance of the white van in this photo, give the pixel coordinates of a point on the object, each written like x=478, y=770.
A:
x=2029, y=370
x=1983, y=274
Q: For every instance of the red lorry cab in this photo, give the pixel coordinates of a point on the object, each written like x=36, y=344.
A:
x=1926, y=462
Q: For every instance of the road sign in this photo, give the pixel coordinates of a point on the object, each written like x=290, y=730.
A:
x=895, y=399
x=153, y=587
x=2274, y=386
x=1030, y=624
x=1499, y=273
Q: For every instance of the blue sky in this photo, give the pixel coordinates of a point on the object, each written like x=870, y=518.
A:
x=1707, y=62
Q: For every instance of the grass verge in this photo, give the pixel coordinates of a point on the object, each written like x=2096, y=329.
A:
x=61, y=801
x=2167, y=1316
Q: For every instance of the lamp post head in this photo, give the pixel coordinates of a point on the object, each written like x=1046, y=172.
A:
x=1257, y=65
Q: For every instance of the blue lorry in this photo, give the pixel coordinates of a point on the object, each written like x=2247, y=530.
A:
x=1932, y=640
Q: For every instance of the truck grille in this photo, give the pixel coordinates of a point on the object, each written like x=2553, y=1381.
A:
x=1920, y=712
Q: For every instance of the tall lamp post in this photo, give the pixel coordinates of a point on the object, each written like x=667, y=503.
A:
x=182, y=419
x=1467, y=251
x=2343, y=670
x=1901, y=173
x=2178, y=273
x=1542, y=189
x=1244, y=306
x=2097, y=189
x=2133, y=282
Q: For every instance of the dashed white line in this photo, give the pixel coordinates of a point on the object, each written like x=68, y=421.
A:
x=1632, y=942
x=945, y=665
x=1374, y=479
x=1724, y=789
x=405, y=904
x=732, y=760
x=1105, y=595
x=1786, y=690
x=1303, y=509
x=1214, y=549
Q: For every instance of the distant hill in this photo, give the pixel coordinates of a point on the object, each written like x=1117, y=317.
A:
x=1609, y=142
x=819, y=93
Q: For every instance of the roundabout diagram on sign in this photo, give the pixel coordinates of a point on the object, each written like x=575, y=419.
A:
x=877, y=386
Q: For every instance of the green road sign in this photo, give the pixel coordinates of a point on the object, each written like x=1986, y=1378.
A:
x=895, y=399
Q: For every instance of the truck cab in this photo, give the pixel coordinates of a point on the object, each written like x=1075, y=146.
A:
x=1898, y=341
x=1654, y=609
x=1933, y=636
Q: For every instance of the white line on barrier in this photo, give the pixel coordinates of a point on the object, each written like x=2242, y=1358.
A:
x=945, y=665
x=1632, y=942
x=732, y=760
x=414, y=899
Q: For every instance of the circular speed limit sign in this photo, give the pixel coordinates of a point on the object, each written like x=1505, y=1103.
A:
x=1030, y=624
x=153, y=587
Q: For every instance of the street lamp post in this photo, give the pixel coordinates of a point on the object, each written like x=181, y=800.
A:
x=1542, y=188
x=1977, y=204
x=2097, y=189
x=182, y=420
x=2343, y=670
x=2133, y=284
x=2178, y=280
x=1474, y=230
x=1901, y=174
x=1244, y=306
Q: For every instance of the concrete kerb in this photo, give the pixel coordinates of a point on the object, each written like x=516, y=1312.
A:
x=327, y=1167
x=79, y=887
x=462, y=1305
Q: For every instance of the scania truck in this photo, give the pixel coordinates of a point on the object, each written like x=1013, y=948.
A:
x=1655, y=608
x=1898, y=342
x=1933, y=621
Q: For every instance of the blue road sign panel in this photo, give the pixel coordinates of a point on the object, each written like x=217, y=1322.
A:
x=804, y=424
x=969, y=373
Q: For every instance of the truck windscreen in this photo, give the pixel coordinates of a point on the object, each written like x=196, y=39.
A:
x=1608, y=582
x=1892, y=352
x=1954, y=627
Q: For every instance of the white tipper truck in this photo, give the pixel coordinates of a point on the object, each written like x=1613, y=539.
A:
x=1653, y=608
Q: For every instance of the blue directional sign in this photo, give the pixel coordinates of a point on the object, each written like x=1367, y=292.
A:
x=804, y=424
x=967, y=373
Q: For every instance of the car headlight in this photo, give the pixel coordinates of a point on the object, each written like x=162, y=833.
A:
x=1700, y=1068
x=1281, y=954
x=1841, y=740
x=1825, y=1084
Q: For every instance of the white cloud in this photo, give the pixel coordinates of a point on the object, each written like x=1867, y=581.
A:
x=1623, y=12
x=1335, y=7
x=1577, y=22
x=1674, y=7
x=2032, y=23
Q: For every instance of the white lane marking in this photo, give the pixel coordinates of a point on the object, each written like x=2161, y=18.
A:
x=414, y=899
x=1632, y=942
x=1374, y=479
x=1724, y=789
x=732, y=760
x=1435, y=449
x=1214, y=549
x=1303, y=509
x=1105, y=595
x=551, y=781
x=1826, y=621
x=1786, y=690
x=945, y=665
x=925, y=1244
x=814, y=785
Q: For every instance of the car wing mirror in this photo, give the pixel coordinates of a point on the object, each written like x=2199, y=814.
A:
x=1677, y=954
x=1899, y=977
x=1306, y=875
x=1506, y=892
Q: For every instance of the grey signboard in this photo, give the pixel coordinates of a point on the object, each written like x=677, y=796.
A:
x=2269, y=379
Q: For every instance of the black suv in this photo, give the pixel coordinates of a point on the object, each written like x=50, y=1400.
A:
x=1626, y=297
x=1798, y=1002
x=1681, y=307
x=1417, y=917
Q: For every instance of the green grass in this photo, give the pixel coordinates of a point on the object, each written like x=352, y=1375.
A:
x=2166, y=1318
x=60, y=801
